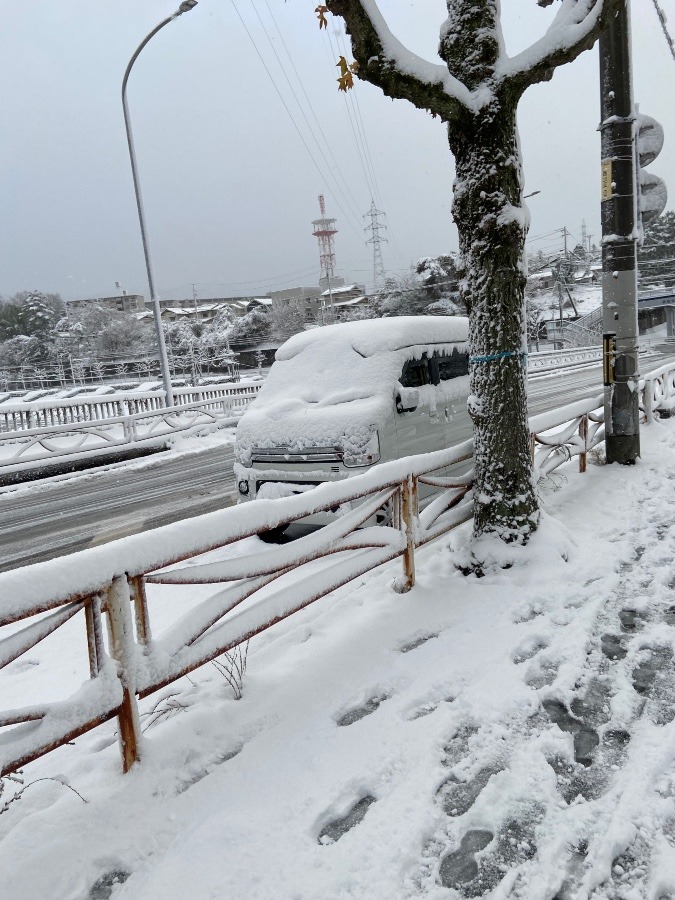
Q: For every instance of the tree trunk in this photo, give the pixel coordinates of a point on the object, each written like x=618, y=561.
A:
x=492, y=228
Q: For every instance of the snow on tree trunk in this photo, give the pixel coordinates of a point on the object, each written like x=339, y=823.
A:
x=492, y=228
x=476, y=90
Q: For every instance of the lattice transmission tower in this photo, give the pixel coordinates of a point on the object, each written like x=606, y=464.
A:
x=324, y=231
x=376, y=240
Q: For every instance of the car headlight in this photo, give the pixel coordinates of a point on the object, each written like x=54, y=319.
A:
x=365, y=455
x=243, y=487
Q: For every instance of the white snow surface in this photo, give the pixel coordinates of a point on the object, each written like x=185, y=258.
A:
x=333, y=386
x=231, y=797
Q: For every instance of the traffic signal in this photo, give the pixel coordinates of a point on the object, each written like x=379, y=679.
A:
x=652, y=191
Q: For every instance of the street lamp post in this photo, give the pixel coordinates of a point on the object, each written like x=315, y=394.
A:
x=184, y=7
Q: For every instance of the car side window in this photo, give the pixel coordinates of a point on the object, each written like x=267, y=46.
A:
x=415, y=373
x=452, y=365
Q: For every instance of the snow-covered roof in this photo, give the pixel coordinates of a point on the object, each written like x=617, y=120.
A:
x=370, y=336
x=345, y=289
x=353, y=301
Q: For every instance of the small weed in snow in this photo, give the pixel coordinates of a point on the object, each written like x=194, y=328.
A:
x=165, y=708
x=233, y=668
x=15, y=778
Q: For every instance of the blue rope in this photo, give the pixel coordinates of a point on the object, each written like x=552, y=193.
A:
x=503, y=355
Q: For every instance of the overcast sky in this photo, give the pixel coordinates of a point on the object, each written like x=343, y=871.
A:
x=229, y=183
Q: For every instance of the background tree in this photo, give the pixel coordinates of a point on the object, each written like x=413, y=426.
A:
x=214, y=342
x=401, y=296
x=656, y=265
x=476, y=91
x=286, y=320
x=252, y=328
x=10, y=319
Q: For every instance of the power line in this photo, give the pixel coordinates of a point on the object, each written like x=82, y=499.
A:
x=285, y=105
x=309, y=103
x=300, y=106
x=359, y=134
x=366, y=174
x=353, y=98
x=664, y=27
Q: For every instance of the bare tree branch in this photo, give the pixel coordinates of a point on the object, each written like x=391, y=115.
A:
x=401, y=74
x=575, y=28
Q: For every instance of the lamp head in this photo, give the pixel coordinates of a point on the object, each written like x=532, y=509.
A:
x=186, y=6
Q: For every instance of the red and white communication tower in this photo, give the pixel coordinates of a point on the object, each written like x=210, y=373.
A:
x=324, y=229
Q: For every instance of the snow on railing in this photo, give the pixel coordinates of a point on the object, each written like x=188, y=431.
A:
x=52, y=411
x=34, y=446
x=550, y=360
x=658, y=391
x=111, y=580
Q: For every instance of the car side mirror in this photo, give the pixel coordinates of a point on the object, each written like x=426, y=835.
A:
x=407, y=399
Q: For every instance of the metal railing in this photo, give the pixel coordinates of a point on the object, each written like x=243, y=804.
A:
x=110, y=581
x=550, y=360
x=51, y=411
x=658, y=391
x=31, y=447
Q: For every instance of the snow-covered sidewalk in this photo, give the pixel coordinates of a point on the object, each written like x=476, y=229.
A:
x=509, y=736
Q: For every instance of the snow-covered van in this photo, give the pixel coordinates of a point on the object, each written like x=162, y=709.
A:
x=344, y=397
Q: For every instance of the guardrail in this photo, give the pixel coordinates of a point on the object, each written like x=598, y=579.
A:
x=51, y=411
x=111, y=581
x=30, y=447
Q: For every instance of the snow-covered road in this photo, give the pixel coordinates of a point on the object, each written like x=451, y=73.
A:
x=42, y=520
x=47, y=519
x=505, y=737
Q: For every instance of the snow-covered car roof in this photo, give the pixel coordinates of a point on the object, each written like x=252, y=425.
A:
x=370, y=336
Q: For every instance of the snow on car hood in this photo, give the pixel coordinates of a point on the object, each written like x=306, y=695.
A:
x=333, y=386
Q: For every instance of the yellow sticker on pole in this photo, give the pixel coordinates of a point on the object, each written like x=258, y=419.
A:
x=606, y=186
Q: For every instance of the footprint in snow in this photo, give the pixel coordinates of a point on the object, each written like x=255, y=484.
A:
x=103, y=888
x=529, y=648
x=360, y=712
x=586, y=737
x=416, y=642
x=197, y=776
x=335, y=829
x=631, y=620
x=460, y=868
x=612, y=646
x=541, y=673
x=645, y=674
x=457, y=797
x=425, y=709
x=476, y=873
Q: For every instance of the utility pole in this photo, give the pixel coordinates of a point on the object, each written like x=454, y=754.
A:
x=619, y=275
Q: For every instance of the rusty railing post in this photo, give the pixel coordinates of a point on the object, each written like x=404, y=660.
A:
x=408, y=512
x=122, y=647
x=583, y=434
x=92, y=617
x=140, y=600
